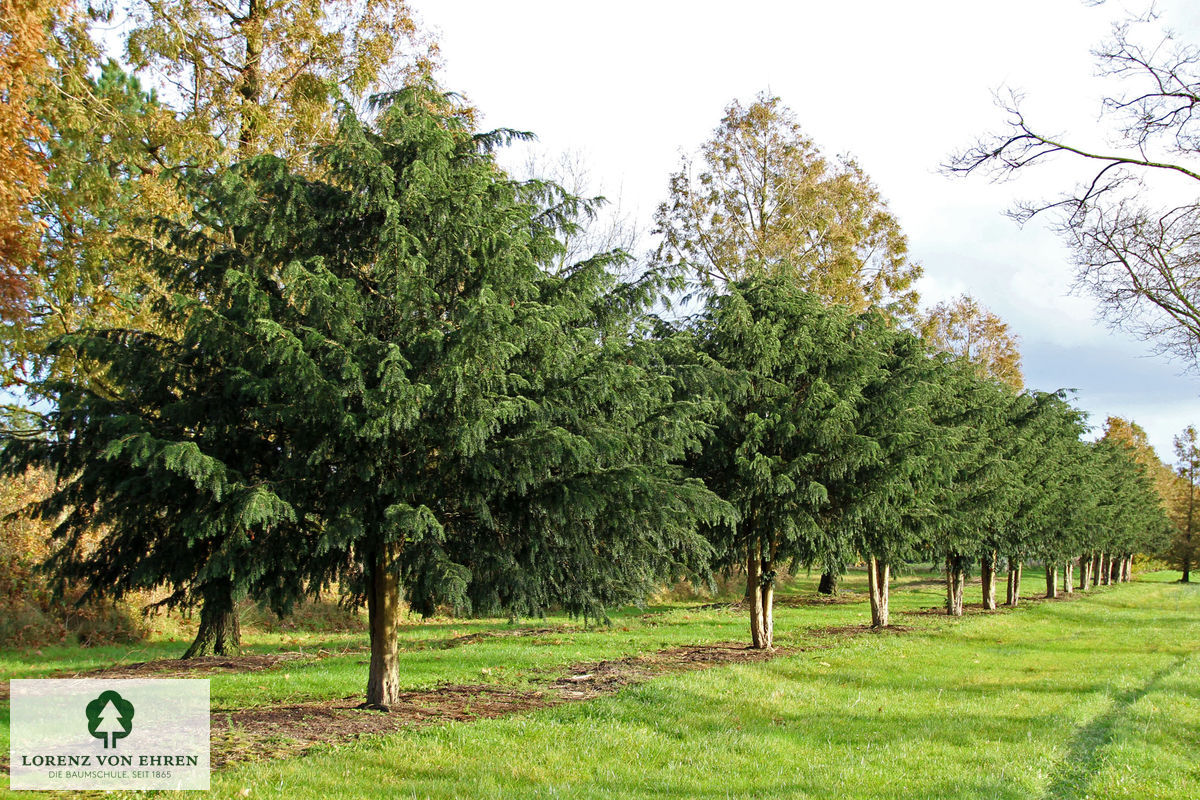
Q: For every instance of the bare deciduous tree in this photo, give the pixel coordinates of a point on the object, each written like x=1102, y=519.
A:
x=1133, y=219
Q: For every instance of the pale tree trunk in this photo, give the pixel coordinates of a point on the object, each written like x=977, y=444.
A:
x=767, y=595
x=1014, y=582
x=829, y=582
x=1051, y=581
x=987, y=572
x=955, y=581
x=1127, y=569
x=383, y=615
x=1085, y=572
x=1187, y=536
x=1069, y=577
x=220, y=632
x=877, y=581
x=1105, y=577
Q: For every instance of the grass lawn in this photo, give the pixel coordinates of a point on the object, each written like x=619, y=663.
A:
x=1098, y=697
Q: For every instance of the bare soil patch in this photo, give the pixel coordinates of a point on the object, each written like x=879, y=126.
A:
x=855, y=630
x=1001, y=608
x=273, y=731
x=504, y=633
x=787, y=601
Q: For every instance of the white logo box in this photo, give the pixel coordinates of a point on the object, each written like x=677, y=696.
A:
x=71, y=734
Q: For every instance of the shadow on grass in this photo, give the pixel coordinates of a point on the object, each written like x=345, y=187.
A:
x=1083, y=756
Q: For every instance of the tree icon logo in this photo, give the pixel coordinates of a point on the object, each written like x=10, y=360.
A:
x=110, y=717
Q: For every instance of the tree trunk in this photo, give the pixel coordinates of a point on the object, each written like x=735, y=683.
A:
x=1014, y=582
x=829, y=582
x=383, y=614
x=1114, y=569
x=948, y=572
x=1069, y=577
x=768, y=606
x=1095, y=569
x=1085, y=572
x=877, y=581
x=987, y=572
x=754, y=591
x=1127, y=566
x=1051, y=581
x=1105, y=576
x=220, y=632
x=250, y=87
x=955, y=581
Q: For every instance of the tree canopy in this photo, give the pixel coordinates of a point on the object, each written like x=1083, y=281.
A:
x=371, y=379
x=763, y=201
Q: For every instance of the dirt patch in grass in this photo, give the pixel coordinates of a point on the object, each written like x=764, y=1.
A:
x=1001, y=608
x=274, y=731
x=940, y=611
x=787, y=601
x=504, y=633
x=855, y=630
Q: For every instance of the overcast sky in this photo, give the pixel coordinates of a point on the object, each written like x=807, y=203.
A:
x=630, y=85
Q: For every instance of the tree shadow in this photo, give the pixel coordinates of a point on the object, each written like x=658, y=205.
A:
x=1083, y=755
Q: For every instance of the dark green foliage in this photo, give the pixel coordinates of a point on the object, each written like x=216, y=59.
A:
x=374, y=372
x=885, y=508
x=791, y=377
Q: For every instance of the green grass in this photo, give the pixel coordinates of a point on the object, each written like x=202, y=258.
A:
x=1099, y=697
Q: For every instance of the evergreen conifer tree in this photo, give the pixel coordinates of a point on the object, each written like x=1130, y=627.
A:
x=373, y=381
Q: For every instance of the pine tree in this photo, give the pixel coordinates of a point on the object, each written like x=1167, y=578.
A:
x=378, y=384
x=884, y=508
x=1047, y=428
x=789, y=374
x=973, y=494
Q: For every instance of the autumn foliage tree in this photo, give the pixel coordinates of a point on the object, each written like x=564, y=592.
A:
x=970, y=331
x=24, y=35
x=233, y=80
x=1184, y=550
x=253, y=76
x=762, y=200
x=1129, y=214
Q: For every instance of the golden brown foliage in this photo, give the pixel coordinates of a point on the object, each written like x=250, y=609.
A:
x=765, y=201
x=968, y=330
x=107, y=145
x=259, y=76
x=24, y=33
x=1133, y=436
